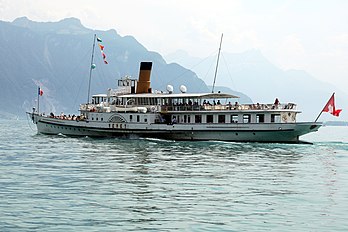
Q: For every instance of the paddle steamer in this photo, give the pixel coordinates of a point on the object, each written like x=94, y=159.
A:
x=134, y=110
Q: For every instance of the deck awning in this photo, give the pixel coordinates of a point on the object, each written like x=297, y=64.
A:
x=180, y=95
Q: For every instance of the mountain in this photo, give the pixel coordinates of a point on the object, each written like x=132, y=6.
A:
x=252, y=74
x=57, y=56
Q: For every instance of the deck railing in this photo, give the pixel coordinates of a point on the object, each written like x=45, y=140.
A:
x=289, y=106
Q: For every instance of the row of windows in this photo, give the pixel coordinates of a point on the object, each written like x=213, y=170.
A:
x=131, y=118
x=97, y=119
x=137, y=118
x=65, y=128
x=234, y=118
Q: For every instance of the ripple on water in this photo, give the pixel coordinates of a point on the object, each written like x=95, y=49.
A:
x=62, y=183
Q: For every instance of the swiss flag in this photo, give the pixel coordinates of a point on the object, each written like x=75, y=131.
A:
x=330, y=107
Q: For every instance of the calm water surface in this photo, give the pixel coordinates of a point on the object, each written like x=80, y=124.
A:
x=57, y=183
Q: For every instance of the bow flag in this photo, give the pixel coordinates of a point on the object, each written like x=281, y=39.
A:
x=39, y=91
x=330, y=107
x=102, y=50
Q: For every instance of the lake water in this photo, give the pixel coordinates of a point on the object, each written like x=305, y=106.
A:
x=57, y=183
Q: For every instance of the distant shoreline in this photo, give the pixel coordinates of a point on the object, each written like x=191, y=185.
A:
x=335, y=123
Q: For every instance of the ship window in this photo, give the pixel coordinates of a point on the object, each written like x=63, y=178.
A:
x=210, y=118
x=101, y=119
x=138, y=118
x=188, y=119
x=260, y=118
x=185, y=118
x=234, y=118
x=275, y=118
x=92, y=118
x=246, y=118
x=130, y=118
x=145, y=119
x=221, y=118
x=198, y=118
x=96, y=119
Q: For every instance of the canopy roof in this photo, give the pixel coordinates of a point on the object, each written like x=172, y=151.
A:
x=180, y=95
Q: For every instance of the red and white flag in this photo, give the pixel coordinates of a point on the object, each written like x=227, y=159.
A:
x=330, y=107
x=39, y=91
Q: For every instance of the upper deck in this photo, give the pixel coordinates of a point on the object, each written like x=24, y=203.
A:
x=164, y=102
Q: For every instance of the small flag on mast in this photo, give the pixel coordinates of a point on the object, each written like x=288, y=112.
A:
x=331, y=108
x=102, y=50
x=40, y=91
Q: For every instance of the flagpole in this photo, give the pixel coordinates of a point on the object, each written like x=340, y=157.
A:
x=318, y=116
x=38, y=101
x=90, y=70
x=323, y=108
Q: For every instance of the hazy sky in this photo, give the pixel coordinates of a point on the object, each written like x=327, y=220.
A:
x=311, y=35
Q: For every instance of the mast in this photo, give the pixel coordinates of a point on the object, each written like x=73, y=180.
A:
x=90, y=70
x=217, y=64
x=38, y=101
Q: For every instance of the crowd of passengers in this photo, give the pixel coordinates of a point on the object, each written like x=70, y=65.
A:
x=68, y=117
x=236, y=106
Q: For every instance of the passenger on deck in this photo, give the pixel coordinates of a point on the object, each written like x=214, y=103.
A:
x=174, y=120
x=218, y=102
x=276, y=102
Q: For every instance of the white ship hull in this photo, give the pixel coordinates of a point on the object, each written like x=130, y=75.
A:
x=236, y=132
x=134, y=110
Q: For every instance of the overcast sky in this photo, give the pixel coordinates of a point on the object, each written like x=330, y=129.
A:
x=311, y=35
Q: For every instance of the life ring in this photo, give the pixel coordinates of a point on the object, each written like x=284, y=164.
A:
x=153, y=108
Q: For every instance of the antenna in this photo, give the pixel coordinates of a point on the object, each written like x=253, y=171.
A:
x=90, y=70
x=217, y=64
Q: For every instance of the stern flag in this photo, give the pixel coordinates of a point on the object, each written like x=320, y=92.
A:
x=40, y=92
x=330, y=107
